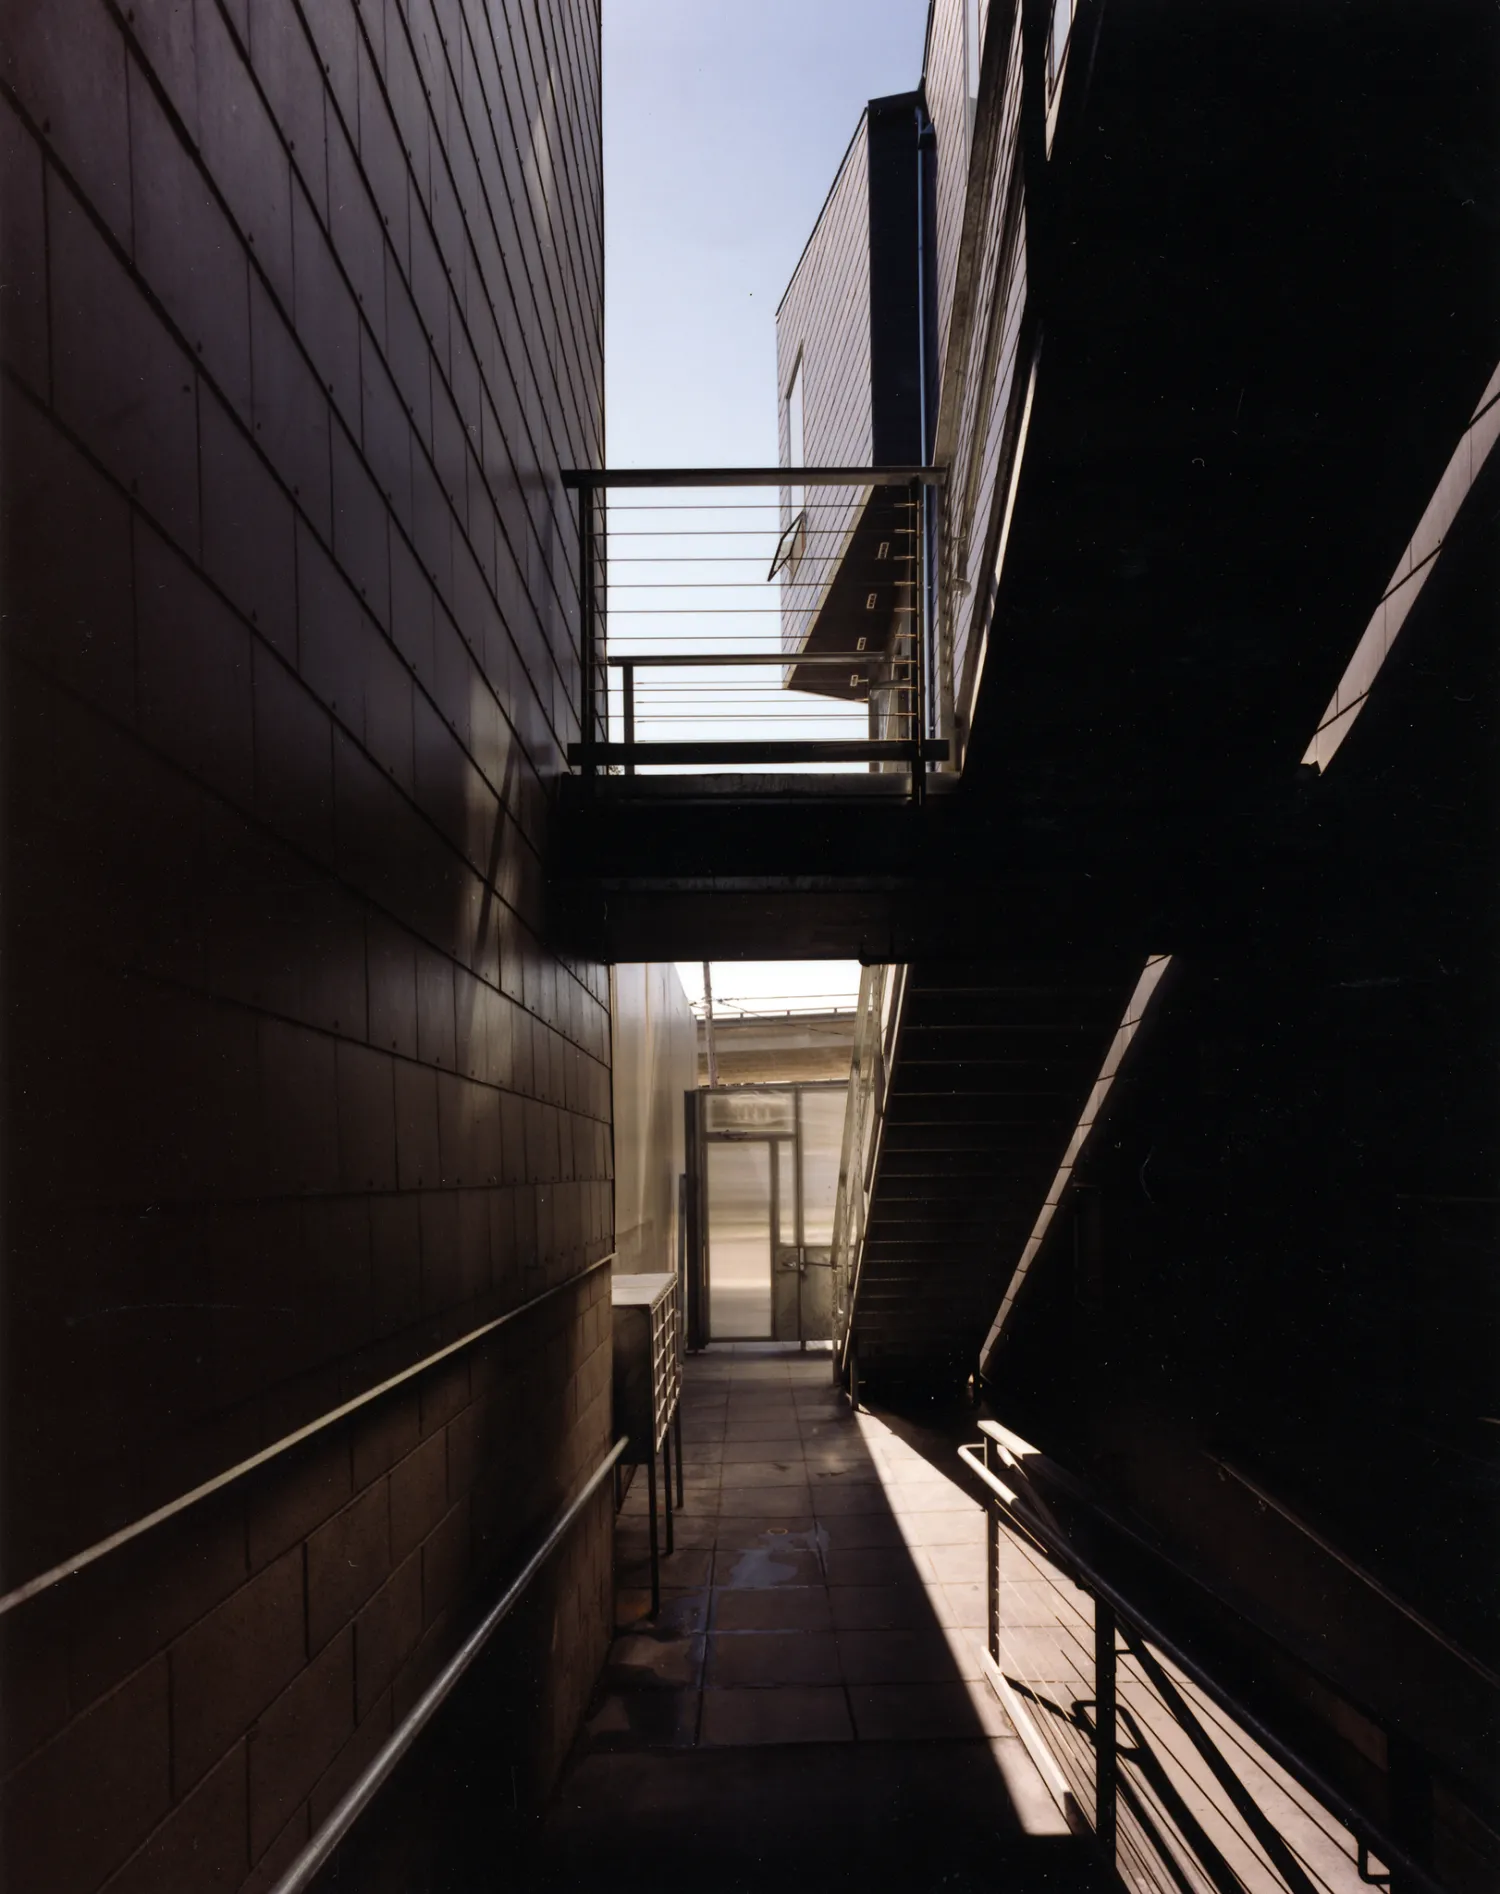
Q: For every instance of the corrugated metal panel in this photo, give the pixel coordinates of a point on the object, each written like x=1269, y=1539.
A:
x=824, y=320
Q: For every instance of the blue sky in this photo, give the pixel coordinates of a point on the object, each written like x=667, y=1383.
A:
x=723, y=127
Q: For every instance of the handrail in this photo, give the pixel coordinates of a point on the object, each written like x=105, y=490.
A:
x=1036, y=1526
x=368, y=1784
x=76, y=1563
x=592, y=478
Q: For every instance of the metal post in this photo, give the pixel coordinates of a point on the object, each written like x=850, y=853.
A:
x=992, y=1565
x=1106, y=1757
x=677, y=1423
x=588, y=732
x=708, y=1021
x=655, y=1553
x=628, y=675
x=919, y=646
x=666, y=1481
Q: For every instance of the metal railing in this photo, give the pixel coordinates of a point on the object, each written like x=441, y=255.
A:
x=876, y=1023
x=726, y=625
x=1144, y=1799
x=377, y=1773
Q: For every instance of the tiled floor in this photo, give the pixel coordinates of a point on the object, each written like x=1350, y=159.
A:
x=828, y=1581
x=810, y=1697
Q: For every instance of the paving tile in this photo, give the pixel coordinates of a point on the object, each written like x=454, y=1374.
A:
x=683, y=1613
x=880, y=1607
x=862, y=1531
x=951, y=1564
x=799, y=1533
x=836, y=1499
x=687, y=1569
x=764, y=1659
x=1034, y=1651
x=790, y=1715
x=907, y=1712
x=942, y=1528
x=654, y=1660
x=764, y=1473
x=1027, y=1603
x=756, y=1568
x=751, y=1452
x=926, y=1655
x=760, y=1429
x=872, y=1565
x=644, y=1719
x=967, y=1605
x=767, y=1502
x=773, y=1608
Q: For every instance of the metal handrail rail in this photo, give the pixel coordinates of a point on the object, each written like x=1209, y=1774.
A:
x=374, y=1776
x=593, y=478
x=78, y=1560
x=1036, y=1526
x=788, y=660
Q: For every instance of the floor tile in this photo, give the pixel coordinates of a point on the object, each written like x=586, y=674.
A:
x=772, y=1608
x=756, y=1568
x=643, y=1660
x=873, y=1565
x=952, y=1564
x=816, y=1715
x=767, y=1502
x=942, y=1528
x=862, y=1531
x=644, y=1719
x=836, y=1499
x=763, y=1659
x=684, y=1613
x=905, y=1712
x=913, y=1656
x=740, y=1452
x=879, y=1607
x=764, y=1473
x=688, y=1568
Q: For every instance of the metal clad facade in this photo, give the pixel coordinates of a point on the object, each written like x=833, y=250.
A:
x=303, y=314
x=824, y=319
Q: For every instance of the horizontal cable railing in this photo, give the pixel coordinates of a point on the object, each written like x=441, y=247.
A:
x=1144, y=1746
x=738, y=618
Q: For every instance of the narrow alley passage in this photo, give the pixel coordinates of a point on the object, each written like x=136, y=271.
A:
x=810, y=1698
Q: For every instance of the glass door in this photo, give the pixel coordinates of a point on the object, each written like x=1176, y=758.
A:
x=739, y=1240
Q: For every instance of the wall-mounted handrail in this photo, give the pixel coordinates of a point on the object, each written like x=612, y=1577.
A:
x=1034, y=1524
x=112, y=1541
x=376, y=1773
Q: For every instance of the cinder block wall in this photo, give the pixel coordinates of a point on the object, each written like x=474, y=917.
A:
x=301, y=315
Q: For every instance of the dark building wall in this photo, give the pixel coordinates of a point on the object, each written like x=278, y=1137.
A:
x=302, y=315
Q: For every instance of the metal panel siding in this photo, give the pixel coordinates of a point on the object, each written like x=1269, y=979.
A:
x=986, y=357
x=304, y=1085
x=945, y=82
x=825, y=316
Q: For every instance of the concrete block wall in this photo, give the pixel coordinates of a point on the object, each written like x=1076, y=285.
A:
x=301, y=317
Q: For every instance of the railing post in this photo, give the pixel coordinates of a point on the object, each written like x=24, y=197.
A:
x=588, y=730
x=919, y=642
x=992, y=1562
x=627, y=673
x=1106, y=1752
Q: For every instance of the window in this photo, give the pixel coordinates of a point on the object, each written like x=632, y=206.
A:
x=973, y=45
x=796, y=447
x=1057, y=39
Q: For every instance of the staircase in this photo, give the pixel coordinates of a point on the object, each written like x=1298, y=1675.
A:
x=968, y=1081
